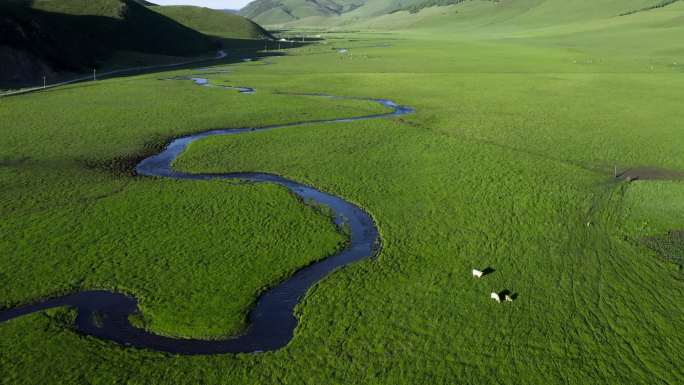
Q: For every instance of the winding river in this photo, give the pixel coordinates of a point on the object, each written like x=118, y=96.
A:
x=272, y=323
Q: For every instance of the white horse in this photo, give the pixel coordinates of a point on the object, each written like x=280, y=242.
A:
x=495, y=297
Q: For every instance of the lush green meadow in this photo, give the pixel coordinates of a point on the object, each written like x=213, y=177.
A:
x=507, y=163
x=77, y=218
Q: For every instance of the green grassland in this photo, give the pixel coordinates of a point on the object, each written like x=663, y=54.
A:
x=214, y=23
x=507, y=163
x=78, y=220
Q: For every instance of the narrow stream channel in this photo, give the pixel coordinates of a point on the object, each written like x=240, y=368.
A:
x=104, y=314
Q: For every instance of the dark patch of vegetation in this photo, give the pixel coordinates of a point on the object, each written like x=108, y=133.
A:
x=669, y=246
x=430, y=3
x=61, y=317
x=662, y=4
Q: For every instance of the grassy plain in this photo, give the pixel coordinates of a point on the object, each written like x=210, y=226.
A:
x=77, y=219
x=507, y=163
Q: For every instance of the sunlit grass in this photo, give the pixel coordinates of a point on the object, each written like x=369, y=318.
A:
x=507, y=163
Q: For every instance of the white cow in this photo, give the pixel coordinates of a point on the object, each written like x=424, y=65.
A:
x=495, y=297
x=477, y=273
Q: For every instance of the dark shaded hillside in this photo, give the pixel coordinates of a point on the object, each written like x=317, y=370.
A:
x=73, y=35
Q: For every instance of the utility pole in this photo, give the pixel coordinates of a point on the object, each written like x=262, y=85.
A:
x=44, y=82
x=94, y=74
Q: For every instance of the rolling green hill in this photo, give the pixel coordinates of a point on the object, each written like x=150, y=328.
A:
x=494, y=16
x=59, y=36
x=282, y=11
x=331, y=11
x=118, y=24
x=214, y=22
x=56, y=38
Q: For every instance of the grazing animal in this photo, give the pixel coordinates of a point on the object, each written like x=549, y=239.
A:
x=477, y=273
x=495, y=297
x=508, y=298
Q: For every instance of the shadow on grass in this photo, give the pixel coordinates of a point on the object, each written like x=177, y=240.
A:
x=669, y=247
x=233, y=58
x=508, y=295
x=650, y=173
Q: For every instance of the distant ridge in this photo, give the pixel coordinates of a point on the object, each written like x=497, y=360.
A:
x=284, y=11
x=401, y=14
x=281, y=11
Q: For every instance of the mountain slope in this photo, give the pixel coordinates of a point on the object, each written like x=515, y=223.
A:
x=214, y=22
x=124, y=25
x=56, y=36
x=285, y=11
x=322, y=13
x=282, y=11
x=494, y=17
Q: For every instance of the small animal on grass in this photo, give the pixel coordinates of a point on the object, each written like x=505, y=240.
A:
x=506, y=295
x=477, y=273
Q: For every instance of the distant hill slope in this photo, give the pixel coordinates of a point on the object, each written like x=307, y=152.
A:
x=282, y=11
x=285, y=11
x=214, y=22
x=382, y=13
x=501, y=16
